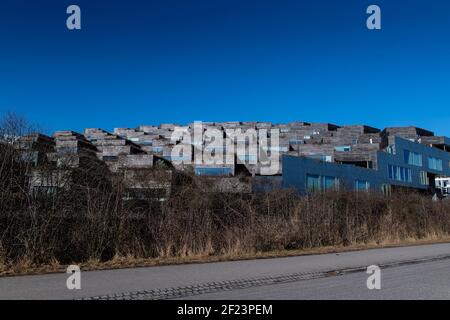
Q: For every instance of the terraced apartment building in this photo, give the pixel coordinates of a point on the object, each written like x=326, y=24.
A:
x=312, y=156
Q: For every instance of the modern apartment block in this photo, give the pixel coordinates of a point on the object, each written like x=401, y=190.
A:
x=319, y=156
x=311, y=156
x=402, y=164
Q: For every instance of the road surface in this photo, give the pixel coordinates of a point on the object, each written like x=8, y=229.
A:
x=417, y=272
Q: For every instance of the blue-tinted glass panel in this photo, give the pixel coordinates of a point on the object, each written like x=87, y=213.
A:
x=329, y=183
x=312, y=183
x=400, y=173
x=435, y=163
x=361, y=185
x=343, y=148
x=413, y=158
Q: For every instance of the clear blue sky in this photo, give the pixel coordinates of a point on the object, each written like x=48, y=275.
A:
x=146, y=62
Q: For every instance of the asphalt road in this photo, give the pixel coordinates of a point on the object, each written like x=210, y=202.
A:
x=412, y=282
x=419, y=272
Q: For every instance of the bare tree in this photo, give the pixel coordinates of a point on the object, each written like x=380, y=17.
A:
x=13, y=125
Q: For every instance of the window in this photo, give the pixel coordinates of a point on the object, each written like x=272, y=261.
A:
x=343, y=148
x=321, y=157
x=321, y=183
x=330, y=183
x=109, y=158
x=413, y=158
x=424, y=180
x=434, y=163
x=391, y=149
x=312, y=183
x=400, y=173
x=361, y=185
x=386, y=189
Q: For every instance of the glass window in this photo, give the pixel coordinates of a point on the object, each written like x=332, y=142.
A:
x=312, y=183
x=330, y=183
x=413, y=158
x=386, y=189
x=110, y=158
x=424, y=180
x=343, y=148
x=399, y=173
x=391, y=149
x=434, y=163
x=391, y=172
x=321, y=183
x=361, y=185
x=318, y=156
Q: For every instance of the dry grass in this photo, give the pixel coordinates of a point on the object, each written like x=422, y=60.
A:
x=131, y=262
